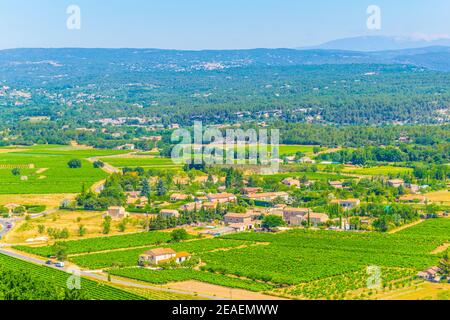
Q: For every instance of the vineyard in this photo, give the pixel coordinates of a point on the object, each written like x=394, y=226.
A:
x=49, y=173
x=91, y=289
x=344, y=286
x=128, y=258
x=103, y=243
x=176, y=275
x=296, y=264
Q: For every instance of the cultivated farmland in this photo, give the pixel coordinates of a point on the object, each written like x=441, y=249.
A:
x=91, y=289
x=44, y=170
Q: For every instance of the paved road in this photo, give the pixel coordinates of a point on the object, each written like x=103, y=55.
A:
x=103, y=277
x=3, y=229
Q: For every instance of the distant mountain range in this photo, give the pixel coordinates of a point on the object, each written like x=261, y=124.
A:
x=381, y=43
x=26, y=62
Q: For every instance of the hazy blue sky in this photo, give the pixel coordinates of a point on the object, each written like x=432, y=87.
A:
x=212, y=24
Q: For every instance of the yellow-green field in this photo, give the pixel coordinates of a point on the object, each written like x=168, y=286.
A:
x=44, y=169
x=377, y=171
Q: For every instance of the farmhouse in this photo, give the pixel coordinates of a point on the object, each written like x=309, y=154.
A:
x=178, y=197
x=191, y=206
x=396, y=183
x=291, y=182
x=241, y=227
x=127, y=146
x=413, y=188
x=318, y=218
x=210, y=205
x=347, y=204
x=268, y=196
x=117, y=212
x=167, y=213
x=307, y=160
x=431, y=274
x=336, y=184
x=221, y=197
x=314, y=219
x=134, y=197
x=238, y=217
x=288, y=213
x=162, y=255
x=250, y=190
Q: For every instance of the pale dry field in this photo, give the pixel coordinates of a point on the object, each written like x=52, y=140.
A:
x=197, y=287
x=439, y=197
x=51, y=201
x=71, y=220
x=421, y=291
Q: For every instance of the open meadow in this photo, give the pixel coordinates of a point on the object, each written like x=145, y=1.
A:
x=44, y=169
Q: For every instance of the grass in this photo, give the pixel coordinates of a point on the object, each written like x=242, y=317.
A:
x=309, y=175
x=377, y=171
x=103, y=243
x=46, y=170
x=144, y=162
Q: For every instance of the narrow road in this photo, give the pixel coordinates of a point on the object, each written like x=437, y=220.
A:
x=103, y=277
x=4, y=227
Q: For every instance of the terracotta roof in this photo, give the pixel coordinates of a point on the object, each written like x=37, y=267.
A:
x=160, y=252
x=297, y=209
x=238, y=215
x=221, y=195
x=183, y=254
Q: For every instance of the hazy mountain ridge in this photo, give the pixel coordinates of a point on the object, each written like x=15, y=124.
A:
x=51, y=60
x=382, y=43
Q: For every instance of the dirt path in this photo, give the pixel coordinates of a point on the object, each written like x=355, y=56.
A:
x=440, y=249
x=197, y=287
x=415, y=223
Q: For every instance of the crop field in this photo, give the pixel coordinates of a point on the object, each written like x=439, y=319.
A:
x=304, y=256
x=128, y=258
x=345, y=286
x=103, y=243
x=91, y=289
x=177, y=275
x=45, y=170
x=309, y=175
x=70, y=220
x=293, y=149
x=378, y=171
x=433, y=228
x=142, y=161
x=295, y=264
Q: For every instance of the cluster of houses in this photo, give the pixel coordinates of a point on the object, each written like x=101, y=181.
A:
x=432, y=274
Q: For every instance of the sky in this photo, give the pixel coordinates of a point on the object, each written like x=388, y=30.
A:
x=213, y=24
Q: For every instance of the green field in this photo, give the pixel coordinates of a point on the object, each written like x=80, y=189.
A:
x=381, y=171
x=91, y=289
x=103, y=243
x=309, y=175
x=293, y=149
x=295, y=263
x=177, y=275
x=129, y=258
x=142, y=161
x=46, y=170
